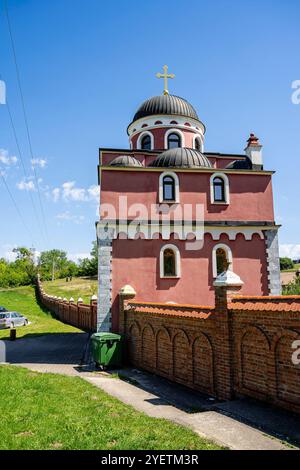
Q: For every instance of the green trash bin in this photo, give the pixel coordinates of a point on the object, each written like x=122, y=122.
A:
x=107, y=349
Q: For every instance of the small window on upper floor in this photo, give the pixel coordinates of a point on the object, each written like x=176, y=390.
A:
x=146, y=142
x=197, y=144
x=168, y=188
x=219, y=189
x=174, y=141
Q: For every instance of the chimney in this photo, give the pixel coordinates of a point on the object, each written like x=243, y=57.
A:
x=254, y=152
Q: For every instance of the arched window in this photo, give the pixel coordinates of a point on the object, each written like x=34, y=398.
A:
x=197, y=144
x=174, y=141
x=146, y=142
x=219, y=189
x=221, y=259
x=169, y=261
x=168, y=188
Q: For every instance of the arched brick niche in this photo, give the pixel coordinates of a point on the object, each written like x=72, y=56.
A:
x=254, y=351
x=287, y=374
x=203, y=364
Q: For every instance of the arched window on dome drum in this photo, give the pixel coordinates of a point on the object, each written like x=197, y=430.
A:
x=219, y=189
x=197, y=144
x=169, y=262
x=168, y=188
x=222, y=261
x=146, y=143
x=174, y=141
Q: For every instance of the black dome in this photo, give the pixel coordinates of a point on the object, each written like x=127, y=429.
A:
x=125, y=160
x=181, y=158
x=245, y=164
x=166, y=104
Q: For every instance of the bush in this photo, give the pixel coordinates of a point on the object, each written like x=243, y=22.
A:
x=292, y=288
x=286, y=263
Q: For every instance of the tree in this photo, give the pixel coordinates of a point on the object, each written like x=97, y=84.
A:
x=286, y=263
x=89, y=266
x=52, y=264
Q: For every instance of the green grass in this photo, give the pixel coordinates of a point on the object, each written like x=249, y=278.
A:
x=78, y=287
x=49, y=411
x=295, y=268
x=22, y=299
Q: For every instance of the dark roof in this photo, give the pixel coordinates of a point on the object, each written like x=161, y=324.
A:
x=244, y=164
x=166, y=104
x=125, y=160
x=181, y=158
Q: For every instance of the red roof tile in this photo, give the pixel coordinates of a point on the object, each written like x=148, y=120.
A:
x=172, y=310
x=282, y=303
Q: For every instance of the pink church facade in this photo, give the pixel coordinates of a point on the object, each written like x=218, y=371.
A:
x=166, y=180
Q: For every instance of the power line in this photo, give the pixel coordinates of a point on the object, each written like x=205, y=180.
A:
x=16, y=206
x=23, y=164
x=25, y=117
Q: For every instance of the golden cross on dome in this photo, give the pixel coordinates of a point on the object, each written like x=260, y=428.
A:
x=165, y=76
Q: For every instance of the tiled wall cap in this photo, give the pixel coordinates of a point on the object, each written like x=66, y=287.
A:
x=127, y=290
x=228, y=279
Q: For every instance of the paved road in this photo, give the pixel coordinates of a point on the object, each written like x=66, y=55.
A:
x=236, y=424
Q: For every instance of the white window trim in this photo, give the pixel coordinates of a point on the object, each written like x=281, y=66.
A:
x=174, y=131
x=214, y=257
x=177, y=261
x=161, y=187
x=226, y=188
x=141, y=136
x=197, y=136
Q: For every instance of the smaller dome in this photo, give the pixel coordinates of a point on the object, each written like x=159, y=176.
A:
x=125, y=160
x=181, y=158
x=245, y=164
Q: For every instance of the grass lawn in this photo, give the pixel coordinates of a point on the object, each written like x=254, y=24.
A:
x=49, y=411
x=295, y=268
x=79, y=287
x=22, y=299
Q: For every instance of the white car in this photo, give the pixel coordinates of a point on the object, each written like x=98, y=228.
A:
x=12, y=319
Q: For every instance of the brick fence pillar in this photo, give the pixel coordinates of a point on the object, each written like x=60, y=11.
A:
x=226, y=285
x=126, y=294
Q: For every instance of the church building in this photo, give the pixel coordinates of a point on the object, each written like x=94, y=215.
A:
x=173, y=216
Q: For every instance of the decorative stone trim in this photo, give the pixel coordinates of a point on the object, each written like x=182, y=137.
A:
x=153, y=230
x=104, y=282
x=273, y=264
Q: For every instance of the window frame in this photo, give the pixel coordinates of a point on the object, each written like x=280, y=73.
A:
x=140, y=139
x=174, y=176
x=225, y=179
x=174, y=131
x=175, y=249
x=197, y=138
x=229, y=257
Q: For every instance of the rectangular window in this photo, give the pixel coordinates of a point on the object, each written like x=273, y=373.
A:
x=169, y=192
x=219, y=193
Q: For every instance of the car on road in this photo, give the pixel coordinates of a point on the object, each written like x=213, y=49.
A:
x=12, y=319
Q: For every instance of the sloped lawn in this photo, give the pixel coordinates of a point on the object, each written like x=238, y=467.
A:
x=23, y=300
x=83, y=287
x=49, y=411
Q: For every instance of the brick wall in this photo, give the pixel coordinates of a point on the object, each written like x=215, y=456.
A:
x=242, y=346
x=83, y=316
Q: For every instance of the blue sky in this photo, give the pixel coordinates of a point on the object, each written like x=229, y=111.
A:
x=85, y=67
